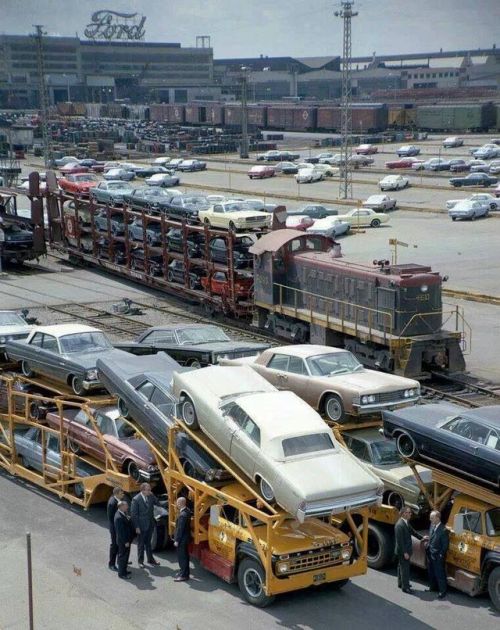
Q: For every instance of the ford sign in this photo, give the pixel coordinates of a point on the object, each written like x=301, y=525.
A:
x=111, y=25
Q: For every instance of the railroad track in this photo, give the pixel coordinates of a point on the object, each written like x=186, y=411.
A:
x=462, y=390
x=101, y=318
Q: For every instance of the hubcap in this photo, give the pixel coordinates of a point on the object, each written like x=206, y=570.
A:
x=333, y=409
x=253, y=583
x=267, y=491
x=188, y=413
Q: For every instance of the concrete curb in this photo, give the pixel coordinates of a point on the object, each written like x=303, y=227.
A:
x=471, y=296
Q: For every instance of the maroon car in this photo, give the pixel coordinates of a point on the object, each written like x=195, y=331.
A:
x=261, y=172
x=404, y=162
x=131, y=454
x=366, y=149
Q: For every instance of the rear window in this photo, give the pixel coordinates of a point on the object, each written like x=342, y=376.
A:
x=307, y=444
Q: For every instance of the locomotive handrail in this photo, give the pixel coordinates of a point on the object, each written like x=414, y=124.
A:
x=464, y=330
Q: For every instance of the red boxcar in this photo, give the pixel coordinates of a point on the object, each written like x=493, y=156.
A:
x=291, y=118
x=214, y=114
x=257, y=115
x=365, y=118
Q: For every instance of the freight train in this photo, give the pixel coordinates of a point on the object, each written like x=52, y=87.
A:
x=390, y=316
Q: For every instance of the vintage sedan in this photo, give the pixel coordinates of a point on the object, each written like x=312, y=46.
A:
x=111, y=192
x=67, y=159
x=150, y=264
x=234, y=215
x=463, y=441
x=177, y=274
x=149, y=198
x=80, y=184
x=195, y=242
x=123, y=174
x=113, y=222
x=13, y=327
x=187, y=207
x=149, y=171
x=404, y=162
x=485, y=199
x=261, y=172
x=330, y=227
x=366, y=149
x=150, y=232
x=218, y=284
x=474, y=179
x=327, y=170
x=314, y=211
x=382, y=457
x=277, y=440
x=393, y=182
x=468, y=209
x=309, y=175
x=72, y=168
x=332, y=380
x=165, y=180
x=363, y=217
x=143, y=388
x=380, y=202
x=458, y=166
x=85, y=429
x=219, y=252
x=452, y=142
x=194, y=345
x=298, y=222
x=287, y=168
x=63, y=352
x=191, y=166
x=408, y=150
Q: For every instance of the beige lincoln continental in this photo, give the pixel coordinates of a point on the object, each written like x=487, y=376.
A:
x=331, y=380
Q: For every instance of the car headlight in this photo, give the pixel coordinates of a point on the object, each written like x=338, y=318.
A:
x=3, y=339
x=91, y=375
x=346, y=553
x=366, y=400
x=409, y=393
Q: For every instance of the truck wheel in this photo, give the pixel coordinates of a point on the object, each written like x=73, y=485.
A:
x=189, y=413
x=406, y=445
x=380, y=546
x=334, y=409
x=79, y=490
x=494, y=587
x=26, y=370
x=251, y=581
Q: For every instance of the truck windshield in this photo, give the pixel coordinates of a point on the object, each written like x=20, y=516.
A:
x=493, y=522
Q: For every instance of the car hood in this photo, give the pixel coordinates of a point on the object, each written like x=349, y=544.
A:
x=226, y=347
x=246, y=214
x=424, y=415
x=6, y=331
x=369, y=381
x=403, y=475
x=88, y=360
x=138, y=447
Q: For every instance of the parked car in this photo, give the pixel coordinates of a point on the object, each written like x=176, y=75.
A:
x=234, y=216
x=111, y=192
x=165, y=180
x=298, y=222
x=174, y=163
x=404, y=162
x=177, y=273
x=143, y=388
x=17, y=236
x=114, y=221
x=474, y=179
x=277, y=440
x=151, y=232
x=152, y=264
x=131, y=454
x=149, y=198
x=111, y=250
x=13, y=327
x=161, y=161
x=380, y=202
x=330, y=158
x=459, y=166
x=218, y=284
x=195, y=243
x=314, y=211
x=193, y=345
x=80, y=184
x=287, y=168
x=434, y=164
x=394, y=182
x=327, y=170
x=278, y=156
x=408, y=150
x=364, y=217
x=191, y=165
x=72, y=168
x=463, y=441
x=452, y=141
x=119, y=173
x=63, y=352
x=366, y=149
x=309, y=175
x=261, y=172
x=330, y=227
x=486, y=152
x=187, y=207
x=382, y=458
x=67, y=159
x=496, y=192
x=314, y=159
x=41, y=451
x=479, y=166
x=149, y=171
x=467, y=209
x=494, y=167
x=361, y=160
x=487, y=200
x=219, y=253
x=332, y=380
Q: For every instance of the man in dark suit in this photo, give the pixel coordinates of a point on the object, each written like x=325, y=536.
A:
x=111, y=510
x=404, y=548
x=437, y=547
x=182, y=537
x=142, y=511
x=124, y=536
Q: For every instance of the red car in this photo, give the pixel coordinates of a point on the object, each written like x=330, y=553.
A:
x=81, y=183
x=404, y=162
x=219, y=285
x=72, y=168
x=98, y=167
x=131, y=454
x=366, y=149
x=261, y=172
x=496, y=192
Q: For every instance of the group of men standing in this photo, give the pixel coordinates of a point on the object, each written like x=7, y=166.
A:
x=125, y=526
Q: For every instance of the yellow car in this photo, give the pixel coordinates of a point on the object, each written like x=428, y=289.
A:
x=234, y=215
x=363, y=217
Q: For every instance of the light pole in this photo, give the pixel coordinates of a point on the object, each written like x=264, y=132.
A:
x=244, y=112
x=68, y=94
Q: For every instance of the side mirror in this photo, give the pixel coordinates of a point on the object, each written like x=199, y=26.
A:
x=214, y=515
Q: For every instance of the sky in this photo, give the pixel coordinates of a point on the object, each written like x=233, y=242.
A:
x=297, y=28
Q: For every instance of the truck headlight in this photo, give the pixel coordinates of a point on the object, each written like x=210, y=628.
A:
x=346, y=553
x=283, y=567
x=91, y=375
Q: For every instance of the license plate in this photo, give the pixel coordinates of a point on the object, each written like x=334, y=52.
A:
x=319, y=577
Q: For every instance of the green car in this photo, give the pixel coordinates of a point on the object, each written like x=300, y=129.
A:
x=110, y=192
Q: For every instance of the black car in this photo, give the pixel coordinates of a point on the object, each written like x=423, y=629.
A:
x=187, y=207
x=194, y=345
x=148, y=197
x=241, y=256
x=142, y=385
x=147, y=171
x=459, y=166
x=17, y=236
x=177, y=273
x=314, y=211
x=152, y=231
x=195, y=243
x=114, y=251
x=153, y=266
x=116, y=222
x=464, y=441
x=474, y=179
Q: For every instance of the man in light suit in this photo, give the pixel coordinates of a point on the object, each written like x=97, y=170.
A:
x=404, y=548
x=437, y=548
x=142, y=512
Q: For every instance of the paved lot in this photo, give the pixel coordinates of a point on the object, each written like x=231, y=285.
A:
x=74, y=590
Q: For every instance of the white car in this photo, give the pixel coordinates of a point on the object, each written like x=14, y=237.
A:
x=275, y=439
x=67, y=159
x=330, y=158
x=174, y=163
x=452, y=141
x=489, y=201
x=363, y=217
x=163, y=180
x=12, y=327
x=217, y=199
x=234, y=216
x=494, y=167
x=380, y=202
x=393, y=182
x=309, y=175
x=329, y=226
x=327, y=169
x=467, y=209
x=161, y=161
x=298, y=222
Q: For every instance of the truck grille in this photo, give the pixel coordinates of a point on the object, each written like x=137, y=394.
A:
x=314, y=561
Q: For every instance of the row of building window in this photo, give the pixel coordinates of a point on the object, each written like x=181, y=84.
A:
x=434, y=75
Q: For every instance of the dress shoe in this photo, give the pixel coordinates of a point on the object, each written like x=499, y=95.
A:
x=112, y=567
x=442, y=596
x=154, y=563
x=180, y=579
x=408, y=591
x=125, y=577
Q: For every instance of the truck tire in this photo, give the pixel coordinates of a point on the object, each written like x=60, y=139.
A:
x=494, y=587
x=380, y=546
x=251, y=581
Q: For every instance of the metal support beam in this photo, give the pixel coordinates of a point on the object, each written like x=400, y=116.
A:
x=244, y=113
x=43, y=96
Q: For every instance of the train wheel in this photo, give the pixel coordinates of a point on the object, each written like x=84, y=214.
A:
x=334, y=409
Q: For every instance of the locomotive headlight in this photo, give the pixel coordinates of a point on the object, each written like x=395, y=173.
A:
x=424, y=288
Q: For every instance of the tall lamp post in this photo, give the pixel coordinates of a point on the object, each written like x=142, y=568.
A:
x=244, y=111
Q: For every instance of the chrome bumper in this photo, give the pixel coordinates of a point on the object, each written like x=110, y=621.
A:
x=360, y=409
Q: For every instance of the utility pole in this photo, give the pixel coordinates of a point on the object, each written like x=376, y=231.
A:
x=346, y=13
x=44, y=97
x=244, y=112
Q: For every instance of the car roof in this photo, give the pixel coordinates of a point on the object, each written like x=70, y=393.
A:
x=488, y=415
x=59, y=330
x=304, y=350
x=180, y=327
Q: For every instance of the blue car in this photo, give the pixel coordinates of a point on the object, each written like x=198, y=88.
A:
x=152, y=232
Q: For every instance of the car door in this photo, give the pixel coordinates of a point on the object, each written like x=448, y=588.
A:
x=299, y=381
x=245, y=442
x=52, y=453
x=51, y=363
x=457, y=443
x=81, y=431
x=465, y=548
x=276, y=371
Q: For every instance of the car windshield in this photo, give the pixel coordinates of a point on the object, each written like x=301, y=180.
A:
x=205, y=334
x=118, y=186
x=334, y=363
x=493, y=522
x=303, y=444
x=85, y=177
x=384, y=453
x=84, y=342
x=124, y=429
x=11, y=319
